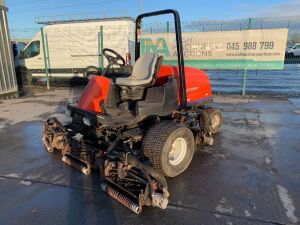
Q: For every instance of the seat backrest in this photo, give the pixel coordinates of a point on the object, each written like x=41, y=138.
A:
x=144, y=67
x=144, y=72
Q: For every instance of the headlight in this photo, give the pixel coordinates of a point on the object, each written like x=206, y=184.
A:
x=86, y=121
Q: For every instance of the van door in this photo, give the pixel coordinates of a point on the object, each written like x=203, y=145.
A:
x=33, y=59
x=296, y=50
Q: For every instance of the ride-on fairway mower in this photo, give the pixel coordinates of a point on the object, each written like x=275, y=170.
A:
x=138, y=129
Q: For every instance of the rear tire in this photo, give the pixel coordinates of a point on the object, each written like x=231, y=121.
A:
x=215, y=120
x=170, y=148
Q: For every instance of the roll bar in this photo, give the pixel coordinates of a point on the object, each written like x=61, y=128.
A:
x=180, y=57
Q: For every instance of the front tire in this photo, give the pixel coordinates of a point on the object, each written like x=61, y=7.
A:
x=24, y=77
x=170, y=148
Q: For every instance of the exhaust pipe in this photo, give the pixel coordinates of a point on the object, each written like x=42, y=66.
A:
x=84, y=169
x=121, y=198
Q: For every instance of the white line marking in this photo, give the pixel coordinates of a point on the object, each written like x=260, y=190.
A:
x=287, y=204
x=24, y=182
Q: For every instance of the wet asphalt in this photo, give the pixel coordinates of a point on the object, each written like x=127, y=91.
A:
x=251, y=175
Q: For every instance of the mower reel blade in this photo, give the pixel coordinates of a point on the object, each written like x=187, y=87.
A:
x=74, y=153
x=133, y=184
x=84, y=168
x=121, y=198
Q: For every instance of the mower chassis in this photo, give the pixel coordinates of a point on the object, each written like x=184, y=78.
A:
x=125, y=178
x=101, y=141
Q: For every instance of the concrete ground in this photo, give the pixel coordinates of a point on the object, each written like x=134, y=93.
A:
x=250, y=176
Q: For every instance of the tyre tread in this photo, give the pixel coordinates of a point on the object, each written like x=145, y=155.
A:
x=154, y=141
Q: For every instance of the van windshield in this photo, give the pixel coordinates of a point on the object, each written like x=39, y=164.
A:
x=32, y=50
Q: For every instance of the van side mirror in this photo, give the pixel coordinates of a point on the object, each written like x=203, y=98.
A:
x=15, y=50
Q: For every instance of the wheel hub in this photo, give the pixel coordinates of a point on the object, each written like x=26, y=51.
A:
x=178, y=151
x=215, y=121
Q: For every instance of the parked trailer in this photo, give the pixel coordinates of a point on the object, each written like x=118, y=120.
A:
x=73, y=48
x=8, y=83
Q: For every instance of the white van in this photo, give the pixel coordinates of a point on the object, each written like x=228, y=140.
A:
x=293, y=50
x=74, y=48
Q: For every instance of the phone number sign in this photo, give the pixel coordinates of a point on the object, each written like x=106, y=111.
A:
x=246, y=49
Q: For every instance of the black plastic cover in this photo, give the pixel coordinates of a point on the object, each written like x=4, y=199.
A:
x=160, y=100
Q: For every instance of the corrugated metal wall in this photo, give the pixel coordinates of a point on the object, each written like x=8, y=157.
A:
x=8, y=82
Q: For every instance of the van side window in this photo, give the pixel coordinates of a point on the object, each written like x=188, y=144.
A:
x=32, y=50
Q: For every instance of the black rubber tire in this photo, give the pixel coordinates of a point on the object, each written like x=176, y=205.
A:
x=212, y=112
x=157, y=144
x=23, y=75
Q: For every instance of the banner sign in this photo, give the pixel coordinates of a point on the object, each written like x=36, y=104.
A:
x=247, y=49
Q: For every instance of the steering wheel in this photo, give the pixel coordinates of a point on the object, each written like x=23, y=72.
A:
x=113, y=59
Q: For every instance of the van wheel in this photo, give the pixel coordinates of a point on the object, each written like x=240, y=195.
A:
x=215, y=120
x=170, y=148
x=23, y=76
x=90, y=71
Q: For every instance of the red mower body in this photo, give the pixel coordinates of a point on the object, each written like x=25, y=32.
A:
x=198, y=88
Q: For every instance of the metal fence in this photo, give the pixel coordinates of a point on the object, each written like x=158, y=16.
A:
x=83, y=46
